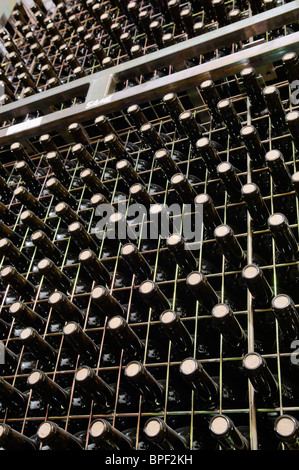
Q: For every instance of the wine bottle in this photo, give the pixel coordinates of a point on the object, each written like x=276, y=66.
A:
x=95, y=388
x=80, y=342
x=38, y=346
x=151, y=137
x=279, y=171
x=139, y=193
x=7, y=215
x=200, y=28
x=42, y=7
x=56, y=163
x=6, y=191
x=99, y=53
x=254, y=146
x=230, y=246
x=26, y=316
x=136, y=262
x=84, y=156
x=46, y=247
x=292, y=120
x=19, y=153
x=183, y=188
x=74, y=21
x=27, y=81
x=12, y=440
x=105, y=127
x=256, y=205
x=205, y=388
x=209, y=154
x=157, y=33
x=133, y=12
x=48, y=143
x=187, y=20
x=283, y=236
x=175, y=13
x=117, y=150
x=67, y=214
x=28, y=177
x=12, y=398
x=30, y=201
x=295, y=181
x=99, y=199
x=7, y=232
x=191, y=127
x=49, y=391
x=227, y=324
x=56, y=438
x=286, y=313
x=120, y=230
x=145, y=384
x=175, y=108
x=127, y=172
x=116, y=33
x=13, y=254
x=151, y=293
x=181, y=253
x=125, y=336
x=211, y=217
x=93, y=265
x=105, y=304
x=163, y=436
x=291, y=66
x=52, y=29
x=49, y=72
x=107, y=437
x=231, y=181
x=286, y=428
x=225, y=432
x=261, y=378
x=31, y=220
x=81, y=237
x=231, y=119
x=258, y=285
x=54, y=275
x=253, y=90
x=10, y=276
x=164, y=159
x=55, y=187
x=176, y=331
x=276, y=109
x=65, y=308
x=145, y=21
x=127, y=43
x=202, y=290
x=220, y=12
x=5, y=98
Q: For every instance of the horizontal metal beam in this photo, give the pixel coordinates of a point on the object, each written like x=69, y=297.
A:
x=173, y=55
x=6, y=7
x=257, y=57
x=99, y=88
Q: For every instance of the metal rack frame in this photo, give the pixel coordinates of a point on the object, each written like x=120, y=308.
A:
x=98, y=89
x=6, y=8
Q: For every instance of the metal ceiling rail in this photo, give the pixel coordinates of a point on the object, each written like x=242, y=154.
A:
x=6, y=7
x=99, y=88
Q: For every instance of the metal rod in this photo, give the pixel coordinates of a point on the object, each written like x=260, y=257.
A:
x=100, y=98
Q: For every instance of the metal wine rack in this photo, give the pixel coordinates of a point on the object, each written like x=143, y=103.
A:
x=248, y=42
